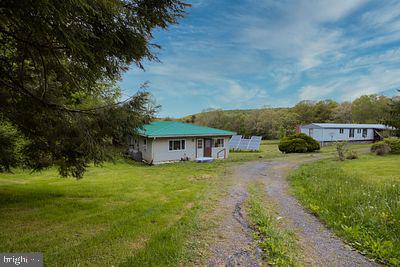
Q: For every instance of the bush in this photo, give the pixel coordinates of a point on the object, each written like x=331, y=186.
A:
x=298, y=143
x=341, y=148
x=380, y=148
x=394, y=144
x=351, y=154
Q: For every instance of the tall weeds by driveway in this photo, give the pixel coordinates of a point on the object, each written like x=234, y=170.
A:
x=359, y=199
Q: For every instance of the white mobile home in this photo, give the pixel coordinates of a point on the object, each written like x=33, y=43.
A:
x=167, y=141
x=332, y=132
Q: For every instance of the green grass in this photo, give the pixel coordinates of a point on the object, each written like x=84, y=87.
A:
x=278, y=245
x=332, y=148
x=118, y=214
x=268, y=150
x=122, y=214
x=359, y=199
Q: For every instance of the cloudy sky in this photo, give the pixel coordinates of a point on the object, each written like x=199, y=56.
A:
x=252, y=53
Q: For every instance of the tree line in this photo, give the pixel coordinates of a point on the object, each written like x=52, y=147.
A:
x=274, y=123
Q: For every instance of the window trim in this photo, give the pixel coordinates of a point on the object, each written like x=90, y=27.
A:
x=366, y=133
x=214, y=141
x=351, y=133
x=180, y=145
x=200, y=141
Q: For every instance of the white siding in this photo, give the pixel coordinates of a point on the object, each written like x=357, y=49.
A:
x=161, y=152
x=146, y=149
x=143, y=145
x=223, y=151
x=315, y=133
x=333, y=134
x=157, y=150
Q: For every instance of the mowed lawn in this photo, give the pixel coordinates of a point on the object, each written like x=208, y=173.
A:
x=359, y=199
x=268, y=150
x=118, y=214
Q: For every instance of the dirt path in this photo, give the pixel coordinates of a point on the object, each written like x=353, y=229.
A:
x=234, y=245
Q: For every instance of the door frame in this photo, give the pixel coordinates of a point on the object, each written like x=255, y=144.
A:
x=207, y=149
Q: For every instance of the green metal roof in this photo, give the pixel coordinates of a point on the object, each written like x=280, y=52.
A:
x=175, y=129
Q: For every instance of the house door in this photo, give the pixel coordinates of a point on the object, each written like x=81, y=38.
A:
x=207, y=147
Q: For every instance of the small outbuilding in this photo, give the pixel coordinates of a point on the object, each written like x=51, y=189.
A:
x=326, y=133
x=168, y=141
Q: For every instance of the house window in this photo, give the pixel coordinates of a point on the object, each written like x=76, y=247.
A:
x=177, y=145
x=218, y=142
x=200, y=143
x=310, y=132
x=341, y=131
x=351, y=132
x=364, y=133
x=358, y=131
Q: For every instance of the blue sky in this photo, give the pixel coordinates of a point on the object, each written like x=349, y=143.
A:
x=234, y=54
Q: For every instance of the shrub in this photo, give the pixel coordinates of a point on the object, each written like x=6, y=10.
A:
x=351, y=154
x=341, y=148
x=298, y=143
x=380, y=148
x=394, y=144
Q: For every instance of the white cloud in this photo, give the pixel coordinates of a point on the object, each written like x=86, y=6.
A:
x=312, y=92
x=253, y=53
x=378, y=80
x=300, y=32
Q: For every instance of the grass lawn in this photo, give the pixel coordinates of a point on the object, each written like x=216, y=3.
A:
x=356, y=147
x=118, y=214
x=122, y=214
x=268, y=150
x=359, y=199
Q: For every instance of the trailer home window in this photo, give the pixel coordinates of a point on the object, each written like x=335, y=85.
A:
x=364, y=133
x=341, y=131
x=176, y=145
x=351, y=132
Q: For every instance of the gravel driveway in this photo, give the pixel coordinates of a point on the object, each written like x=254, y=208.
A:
x=234, y=245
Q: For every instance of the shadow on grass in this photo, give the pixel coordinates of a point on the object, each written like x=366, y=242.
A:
x=8, y=197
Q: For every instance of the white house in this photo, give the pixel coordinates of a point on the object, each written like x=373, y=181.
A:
x=166, y=141
x=332, y=132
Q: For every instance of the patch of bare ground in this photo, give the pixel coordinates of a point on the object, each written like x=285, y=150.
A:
x=232, y=243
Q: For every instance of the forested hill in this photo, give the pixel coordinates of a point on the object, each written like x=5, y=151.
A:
x=272, y=123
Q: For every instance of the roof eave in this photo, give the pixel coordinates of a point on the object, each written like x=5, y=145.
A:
x=185, y=135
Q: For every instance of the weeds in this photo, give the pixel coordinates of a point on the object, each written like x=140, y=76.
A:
x=359, y=199
x=278, y=245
